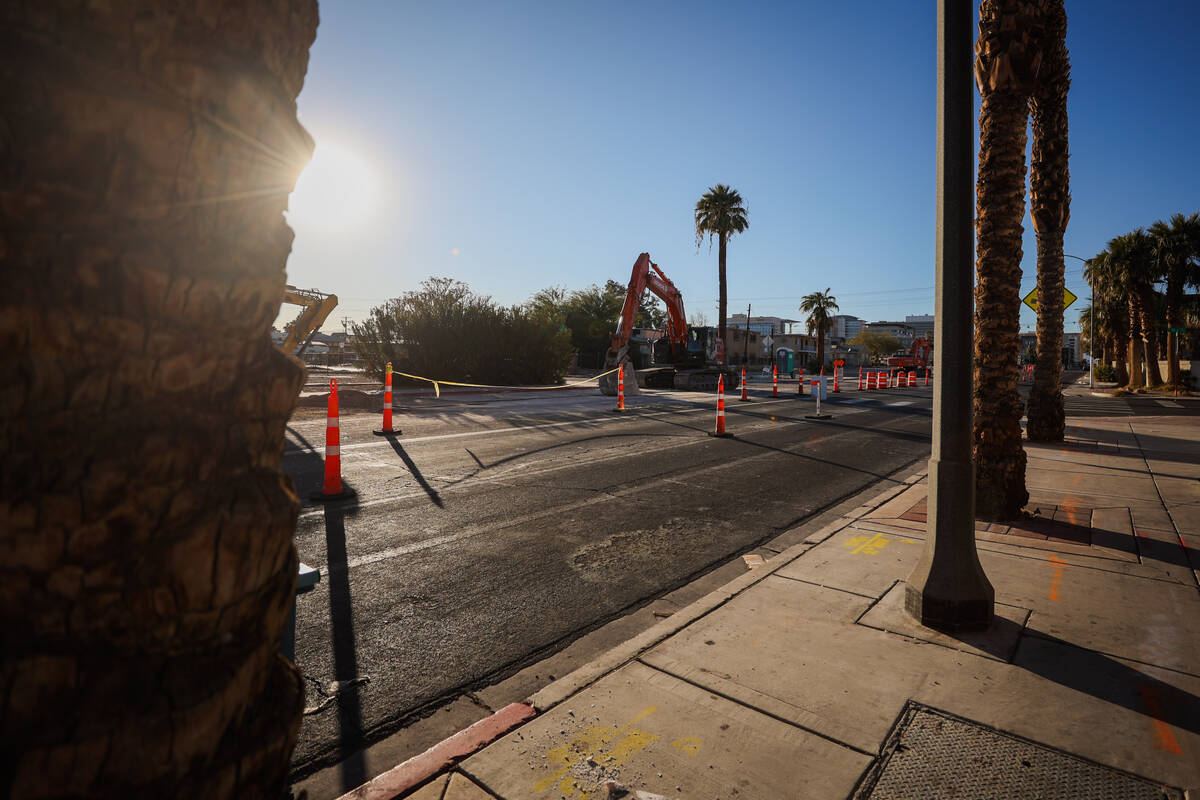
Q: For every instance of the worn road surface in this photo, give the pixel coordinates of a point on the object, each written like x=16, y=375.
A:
x=498, y=528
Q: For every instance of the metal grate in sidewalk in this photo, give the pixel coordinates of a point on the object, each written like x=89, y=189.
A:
x=936, y=756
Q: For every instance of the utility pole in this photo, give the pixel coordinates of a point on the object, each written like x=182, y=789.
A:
x=746, y=349
x=948, y=589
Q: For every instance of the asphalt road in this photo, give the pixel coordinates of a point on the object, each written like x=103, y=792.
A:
x=499, y=528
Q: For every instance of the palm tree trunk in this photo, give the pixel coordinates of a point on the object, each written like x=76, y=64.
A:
x=1174, y=301
x=999, y=454
x=820, y=348
x=1137, y=350
x=724, y=289
x=1050, y=209
x=1007, y=51
x=1149, y=331
x=145, y=525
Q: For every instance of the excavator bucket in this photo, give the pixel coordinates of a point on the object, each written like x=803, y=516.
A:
x=608, y=384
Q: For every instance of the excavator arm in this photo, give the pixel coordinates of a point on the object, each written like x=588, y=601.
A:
x=317, y=306
x=658, y=283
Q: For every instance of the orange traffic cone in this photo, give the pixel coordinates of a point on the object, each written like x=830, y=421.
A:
x=927, y=371
x=860, y=376
x=620, y=387
x=387, y=429
x=745, y=397
x=332, y=488
x=775, y=381
x=720, y=431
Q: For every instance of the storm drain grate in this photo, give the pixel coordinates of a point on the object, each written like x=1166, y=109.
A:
x=935, y=756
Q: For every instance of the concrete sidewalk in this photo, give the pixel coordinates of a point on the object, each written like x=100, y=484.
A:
x=805, y=678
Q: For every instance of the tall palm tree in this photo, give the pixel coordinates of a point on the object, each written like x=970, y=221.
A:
x=1111, y=318
x=145, y=525
x=1133, y=257
x=818, y=305
x=720, y=212
x=1177, y=249
x=1050, y=209
x=1007, y=58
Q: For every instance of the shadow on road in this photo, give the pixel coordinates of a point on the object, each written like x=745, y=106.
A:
x=345, y=648
x=416, y=473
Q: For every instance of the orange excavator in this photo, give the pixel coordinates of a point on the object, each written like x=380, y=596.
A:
x=688, y=357
x=917, y=356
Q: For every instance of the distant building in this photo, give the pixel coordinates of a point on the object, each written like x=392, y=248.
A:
x=903, y=332
x=1071, y=357
x=845, y=326
x=922, y=325
x=762, y=325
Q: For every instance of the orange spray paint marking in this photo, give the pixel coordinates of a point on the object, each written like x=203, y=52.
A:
x=1056, y=577
x=1164, y=739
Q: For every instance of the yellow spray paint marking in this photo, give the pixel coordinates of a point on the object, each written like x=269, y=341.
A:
x=689, y=745
x=867, y=545
x=607, y=746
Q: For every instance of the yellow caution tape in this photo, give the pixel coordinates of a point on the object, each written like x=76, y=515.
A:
x=437, y=392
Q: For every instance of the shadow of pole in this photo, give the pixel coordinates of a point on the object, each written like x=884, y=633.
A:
x=345, y=650
x=416, y=473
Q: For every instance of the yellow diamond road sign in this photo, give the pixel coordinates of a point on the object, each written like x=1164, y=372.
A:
x=1031, y=299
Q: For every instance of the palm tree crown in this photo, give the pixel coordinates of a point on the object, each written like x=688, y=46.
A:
x=818, y=305
x=720, y=212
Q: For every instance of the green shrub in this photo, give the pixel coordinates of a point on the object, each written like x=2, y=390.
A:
x=1105, y=372
x=445, y=331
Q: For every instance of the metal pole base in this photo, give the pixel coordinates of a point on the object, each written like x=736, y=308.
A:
x=392, y=432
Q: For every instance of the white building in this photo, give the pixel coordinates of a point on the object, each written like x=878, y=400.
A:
x=845, y=326
x=922, y=324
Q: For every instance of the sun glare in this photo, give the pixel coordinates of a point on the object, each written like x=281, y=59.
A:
x=336, y=192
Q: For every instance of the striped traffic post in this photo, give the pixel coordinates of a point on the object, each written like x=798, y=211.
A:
x=774, y=380
x=620, y=387
x=927, y=371
x=816, y=390
x=836, y=386
x=860, y=376
x=720, y=431
x=745, y=397
x=332, y=488
x=387, y=429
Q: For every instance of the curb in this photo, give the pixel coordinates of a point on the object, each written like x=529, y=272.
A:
x=443, y=755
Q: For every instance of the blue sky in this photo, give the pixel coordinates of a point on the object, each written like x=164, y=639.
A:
x=516, y=145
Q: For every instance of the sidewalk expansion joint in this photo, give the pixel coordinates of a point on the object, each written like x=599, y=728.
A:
x=1046, y=637
x=757, y=710
x=833, y=588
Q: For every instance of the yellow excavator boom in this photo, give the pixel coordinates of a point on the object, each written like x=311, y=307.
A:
x=317, y=306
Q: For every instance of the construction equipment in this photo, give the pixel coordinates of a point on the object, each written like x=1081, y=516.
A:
x=918, y=355
x=317, y=308
x=688, y=357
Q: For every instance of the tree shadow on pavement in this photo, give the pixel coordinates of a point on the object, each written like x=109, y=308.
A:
x=1095, y=674
x=416, y=473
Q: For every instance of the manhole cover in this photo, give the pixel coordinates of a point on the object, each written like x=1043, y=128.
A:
x=934, y=756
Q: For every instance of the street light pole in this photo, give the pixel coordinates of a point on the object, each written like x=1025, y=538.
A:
x=1091, y=327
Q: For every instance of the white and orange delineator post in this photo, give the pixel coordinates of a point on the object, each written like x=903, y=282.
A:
x=816, y=390
x=745, y=397
x=331, y=487
x=620, y=387
x=860, y=377
x=720, y=430
x=837, y=387
x=387, y=429
x=927, y=371
x=774, y=380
